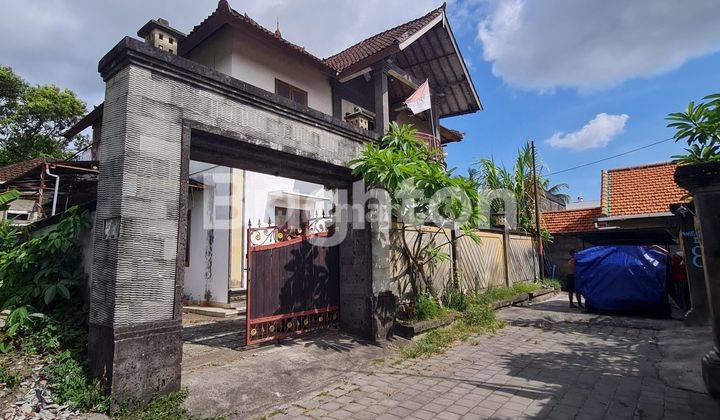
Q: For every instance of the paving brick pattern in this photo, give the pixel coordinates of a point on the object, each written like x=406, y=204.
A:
x=540, y=369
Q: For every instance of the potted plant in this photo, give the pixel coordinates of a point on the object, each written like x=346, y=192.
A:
x=698, y=172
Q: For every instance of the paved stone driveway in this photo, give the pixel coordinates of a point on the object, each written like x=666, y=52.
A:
x=544, y=364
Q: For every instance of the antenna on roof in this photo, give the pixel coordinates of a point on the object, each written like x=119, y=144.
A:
x=277, y=28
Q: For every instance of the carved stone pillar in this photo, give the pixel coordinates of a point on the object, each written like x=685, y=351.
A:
x=703, y=182
x=699, y=313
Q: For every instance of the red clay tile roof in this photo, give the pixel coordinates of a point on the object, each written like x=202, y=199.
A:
x=16, y=170
x=379, y=42
x=640, y=190
x=563, y=221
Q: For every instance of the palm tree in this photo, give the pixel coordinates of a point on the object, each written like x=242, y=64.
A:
x=519, y=180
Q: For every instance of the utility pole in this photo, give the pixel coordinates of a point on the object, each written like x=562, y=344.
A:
x=537, y=213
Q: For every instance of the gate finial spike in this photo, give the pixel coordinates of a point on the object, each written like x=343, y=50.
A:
x=249, y=223
x=269, y=221
x=259, y=223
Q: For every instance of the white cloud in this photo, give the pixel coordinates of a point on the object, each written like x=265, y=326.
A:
x=595, y=134
x=62, y=41
x=591, y=45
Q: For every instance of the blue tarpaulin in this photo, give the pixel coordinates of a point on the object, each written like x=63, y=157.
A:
x=622, y=279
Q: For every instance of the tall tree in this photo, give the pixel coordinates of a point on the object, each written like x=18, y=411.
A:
x=518, y=180
x=33, y=118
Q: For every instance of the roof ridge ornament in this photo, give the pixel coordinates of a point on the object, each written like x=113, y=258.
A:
x=223, y=5
x=277, y=28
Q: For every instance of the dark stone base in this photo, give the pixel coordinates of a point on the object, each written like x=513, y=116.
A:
x=711, y=371
x=409, y=330
x=137, y=362
x=383, y=316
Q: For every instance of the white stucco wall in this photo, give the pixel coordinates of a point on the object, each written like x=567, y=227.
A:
x=208, y=270
x=259, y=64
x=259, y=206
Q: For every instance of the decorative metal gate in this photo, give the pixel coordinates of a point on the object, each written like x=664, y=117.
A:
x=293, y=285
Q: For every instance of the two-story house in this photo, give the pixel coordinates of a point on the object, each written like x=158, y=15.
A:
x=365, y=84
x=219, y=151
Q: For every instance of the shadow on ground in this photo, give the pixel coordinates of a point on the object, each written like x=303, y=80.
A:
x=226, y=380
x=549, y=362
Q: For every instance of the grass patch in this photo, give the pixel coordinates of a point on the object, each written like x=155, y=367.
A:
x=159, y=408
x=477, y=319
x=497, y=294
x=425, y=308
x=70, y=383
x=554, y=283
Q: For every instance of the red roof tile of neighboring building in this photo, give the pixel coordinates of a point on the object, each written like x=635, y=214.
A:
x=639, y=190
x=16, y=170
x=579, y=220
x=379, y=42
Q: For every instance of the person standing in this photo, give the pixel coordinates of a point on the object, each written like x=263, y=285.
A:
x=570, y=282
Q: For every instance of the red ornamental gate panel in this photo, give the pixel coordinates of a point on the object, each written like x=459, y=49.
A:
x=293, y=285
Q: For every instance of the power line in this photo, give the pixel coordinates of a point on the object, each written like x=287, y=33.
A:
x=611, y=157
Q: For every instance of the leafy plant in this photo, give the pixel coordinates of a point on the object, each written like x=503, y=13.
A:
x=40, y=277
x=8, y=197
x=33, y=118
x=35, y=273
x=519, y=180
x=414, y=176
x=699, y=127
x=424, y=308
x=454, y=298
x=71, y=385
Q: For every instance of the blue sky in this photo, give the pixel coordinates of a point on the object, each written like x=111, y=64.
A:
x=543, y=68
x=513, y=114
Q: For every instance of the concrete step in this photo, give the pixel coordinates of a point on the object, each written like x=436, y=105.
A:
x=214, y=312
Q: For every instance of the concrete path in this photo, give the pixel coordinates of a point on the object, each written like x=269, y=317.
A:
x=225, y=379
x=548, y=362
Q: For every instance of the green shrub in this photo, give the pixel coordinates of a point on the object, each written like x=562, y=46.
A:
x=34, y=274
x=40, y=282
x=424, y=308
x=479, y=316
x=454, y=299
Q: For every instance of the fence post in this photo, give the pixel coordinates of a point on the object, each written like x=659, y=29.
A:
x=453, y=259
x=506, y=249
